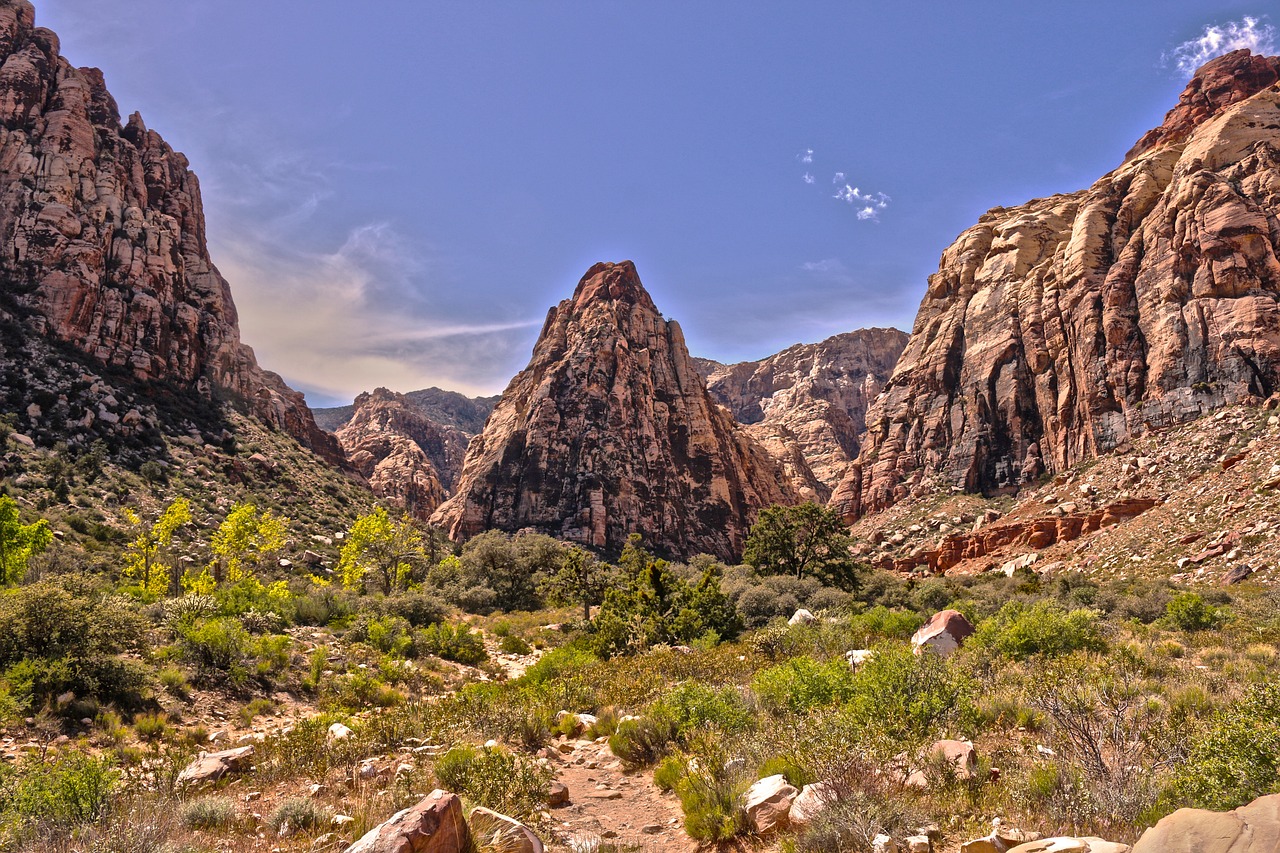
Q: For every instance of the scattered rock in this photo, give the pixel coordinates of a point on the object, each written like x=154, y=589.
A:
x=435, y=825
x=209, y=767
x=768, y=803
x=1254, y=828
x=943, y=633
x=499, y=832
x=802, y=617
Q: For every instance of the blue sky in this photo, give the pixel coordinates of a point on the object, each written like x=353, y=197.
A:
x=398, y=190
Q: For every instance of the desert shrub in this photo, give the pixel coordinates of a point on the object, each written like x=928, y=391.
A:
x=356, y=691
x=1187, y=611
x=457, y=643
x=862, y=802
x=513, y=645
x=212, y=812
x=72, y=789
x=174, y=680
x=495, y=778
x=297, y=814
x=642, y=741
x=324, y=605
x=64, y=636
x=558, y=664
x=693, y=706
x=151, y=726
x=669, y=772
x=882, y=623
x=1020, y=630
x=215, y=647
x=418, y=609
x=390, y=635
x=1235, y=755
x=803, y=683
x=711, y=799
x=254, y=709
x=653, y=605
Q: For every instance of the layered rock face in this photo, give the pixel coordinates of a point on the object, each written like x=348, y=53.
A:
x=807, y=405
x=102, y=235
x=609, y=431
x=446, y=408
x=1055, y=331
x=405, y=455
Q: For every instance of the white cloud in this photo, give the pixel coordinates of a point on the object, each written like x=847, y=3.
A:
x=870, y=204
x=807, y=156
x=838, y=178
x=1217, y=39
x=826, y=265
x=808, y=178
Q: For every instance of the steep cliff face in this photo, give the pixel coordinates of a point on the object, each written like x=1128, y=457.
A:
x=1057, y=330
x=102, y=236
x=405, y=455
x=609, y=431
x=807, y=405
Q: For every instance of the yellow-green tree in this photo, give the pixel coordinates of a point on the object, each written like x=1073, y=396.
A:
x=245, y=538
x=380, y=551
x=145, y=557
x=19, y=542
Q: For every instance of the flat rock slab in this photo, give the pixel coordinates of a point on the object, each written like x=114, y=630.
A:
x=209, y=767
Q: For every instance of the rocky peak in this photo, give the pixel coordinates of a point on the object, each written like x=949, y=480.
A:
x=1218, y=84
x=609, y=431
x=102, y=237
x=1058, y=330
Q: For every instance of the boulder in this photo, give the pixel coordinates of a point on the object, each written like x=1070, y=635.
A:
x=1067, y=844
x=943, y=633
x=811, y=800
x=857, y=657
x=557, y=794
x=498, y=832
x=1254, y=828
x=802, y=617
x=209, y=767
x=768, y=803
x=338, y=732
x=435, y=825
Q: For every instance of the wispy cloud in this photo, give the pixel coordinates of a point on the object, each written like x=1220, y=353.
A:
x=807, y=156
x=1217, y=39
x=808, y=178
x=826, y=266
x=869, y=204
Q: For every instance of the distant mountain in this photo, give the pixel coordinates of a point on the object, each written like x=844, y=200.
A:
x=807, y=405
x=446, y=408
x=610, y=431
x=1060, y=329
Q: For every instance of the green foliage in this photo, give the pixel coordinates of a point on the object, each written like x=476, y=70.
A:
x=1187, y=611
x=652, y=604
x=802, y=684
x=147, y=562
x=70, y=790
x=882, y=623
x=687, y=709
x=380, y=553
x=245, y=539
x=151, y=726
x=19, y=542
x=496, y=779
x=642, y=741
x=558, y=664
x=452, y=642
x=669, y=772
x=579, y=579
x=1020, y=630
x=390, y=635
x=215, y=647
x=56, y=637
x=803, y=540
x=1235, y=756
x=212, y=812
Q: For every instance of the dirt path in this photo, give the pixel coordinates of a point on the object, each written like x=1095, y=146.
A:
x=609, y=805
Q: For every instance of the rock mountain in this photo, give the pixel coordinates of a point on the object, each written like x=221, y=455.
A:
x=807, y=405
x=1056, y=331
x=609, y=431
x=102, y=240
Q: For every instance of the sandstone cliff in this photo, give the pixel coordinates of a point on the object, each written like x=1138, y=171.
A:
x=1055, y=331
x=102, y=237
x=405, y=455
x=446, y=408
x=807, y=405
x=609, y=431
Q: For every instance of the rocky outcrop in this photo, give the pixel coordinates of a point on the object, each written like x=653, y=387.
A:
x=1249, y=829
x=1054, y=331
x=446, y=408
x=609, y=431
x=406, y=456
x=945, y=632
x=102, y=237
x=209, y=767
x=807, y=405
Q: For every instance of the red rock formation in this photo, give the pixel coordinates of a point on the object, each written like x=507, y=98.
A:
x=609, y=431
x=102, y=233
x=1056, y=330
x=406, y=456
x=807, y=405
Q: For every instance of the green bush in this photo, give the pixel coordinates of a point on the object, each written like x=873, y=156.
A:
x=643, y=741
x=803, y=683
x=297, y=814
x=72, y=789
x=451, y=642
x=669, y=772
x=213, y=812
x=390, y=635
x=1020, y=630
x=513, y=645
x=215, y=647
x=1235, y=756
x=1187, y=611
x=557, y=665
x=711, y=799
x=900, y=700
x=881, y=623
x=496, y=779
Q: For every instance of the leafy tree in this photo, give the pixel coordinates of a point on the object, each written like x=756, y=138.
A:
x=19, y=542
x=803, y=540
x=145, y=554
x=578, y=579
x=380, y=547
x=652, y=604
x=1235, y=757
x=245, y=538
x=1187, y=611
